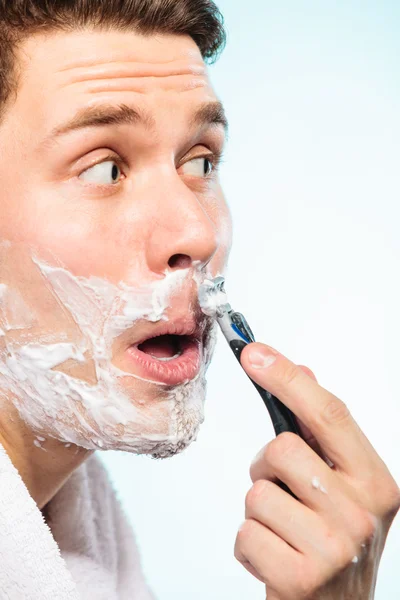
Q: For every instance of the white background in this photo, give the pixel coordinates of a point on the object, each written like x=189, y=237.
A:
x=311, y=173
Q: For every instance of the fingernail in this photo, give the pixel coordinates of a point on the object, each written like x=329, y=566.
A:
x=261, y=359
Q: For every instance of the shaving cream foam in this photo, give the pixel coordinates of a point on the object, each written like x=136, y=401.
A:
x=113, y=411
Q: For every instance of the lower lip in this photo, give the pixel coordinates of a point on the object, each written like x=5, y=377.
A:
x=173, y=372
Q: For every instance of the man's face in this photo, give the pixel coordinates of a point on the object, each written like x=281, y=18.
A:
x=111, y=214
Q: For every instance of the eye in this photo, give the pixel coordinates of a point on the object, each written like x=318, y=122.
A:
x=198, y=167
x=104, y=173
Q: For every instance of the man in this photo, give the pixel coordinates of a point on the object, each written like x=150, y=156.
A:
x=112, y=215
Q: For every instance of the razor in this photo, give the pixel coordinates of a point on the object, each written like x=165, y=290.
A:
x=238, y=334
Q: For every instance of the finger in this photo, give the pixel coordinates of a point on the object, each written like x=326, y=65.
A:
x=327, y=417
x=249, y=567
x=308, y=372
x=305, y=432
x=303, y=529
x=289, y=519
x=267, y=553
x=289, y=459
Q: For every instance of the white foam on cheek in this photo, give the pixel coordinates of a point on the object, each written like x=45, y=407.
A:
x=42, y=358
x=14, y=312
x=104, y=309
x=29, y=362
x=147, y=303
x=102, y=415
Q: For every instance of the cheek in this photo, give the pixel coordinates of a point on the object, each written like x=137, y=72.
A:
x=42, y=220
x=29, y=309
x=89, y=238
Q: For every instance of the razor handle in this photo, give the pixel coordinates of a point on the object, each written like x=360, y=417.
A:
x=282, y=417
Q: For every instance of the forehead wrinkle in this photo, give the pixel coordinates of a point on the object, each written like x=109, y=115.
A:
x=131, y=69
x=144, y=86
x=191, y=57
x=177, y=75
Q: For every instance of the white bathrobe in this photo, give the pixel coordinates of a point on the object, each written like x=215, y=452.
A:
x=86, y=552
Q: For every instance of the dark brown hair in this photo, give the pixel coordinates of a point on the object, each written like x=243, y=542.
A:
x=199, y=19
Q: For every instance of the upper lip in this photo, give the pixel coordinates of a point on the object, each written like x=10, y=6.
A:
x=189, y=326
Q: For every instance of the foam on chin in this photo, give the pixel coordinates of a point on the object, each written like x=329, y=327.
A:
x=101, y=414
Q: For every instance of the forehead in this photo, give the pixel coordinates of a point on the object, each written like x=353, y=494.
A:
x=62, y=72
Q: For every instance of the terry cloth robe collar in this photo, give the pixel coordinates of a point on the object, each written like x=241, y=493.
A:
x=86, y=550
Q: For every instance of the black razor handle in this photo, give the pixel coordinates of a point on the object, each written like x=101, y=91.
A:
x=282, y=417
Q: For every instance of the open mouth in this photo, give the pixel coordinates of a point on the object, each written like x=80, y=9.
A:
x=164, y=347
x=167, y=358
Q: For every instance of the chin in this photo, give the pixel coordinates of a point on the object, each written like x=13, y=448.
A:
x=170, y=418
x=166, y=422
x=186, y=418
x=119, y=412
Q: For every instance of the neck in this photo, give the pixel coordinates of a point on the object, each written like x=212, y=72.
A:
x=45, y=469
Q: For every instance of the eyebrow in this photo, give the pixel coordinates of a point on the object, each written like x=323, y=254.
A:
x=209, y=113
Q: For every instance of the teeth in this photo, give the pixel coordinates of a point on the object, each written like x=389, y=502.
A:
x=167, y=358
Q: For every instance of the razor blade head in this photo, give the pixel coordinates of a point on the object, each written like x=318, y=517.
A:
x=213, y=298
x=219, y=284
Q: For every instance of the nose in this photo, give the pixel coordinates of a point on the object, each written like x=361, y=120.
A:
x=183, y=232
